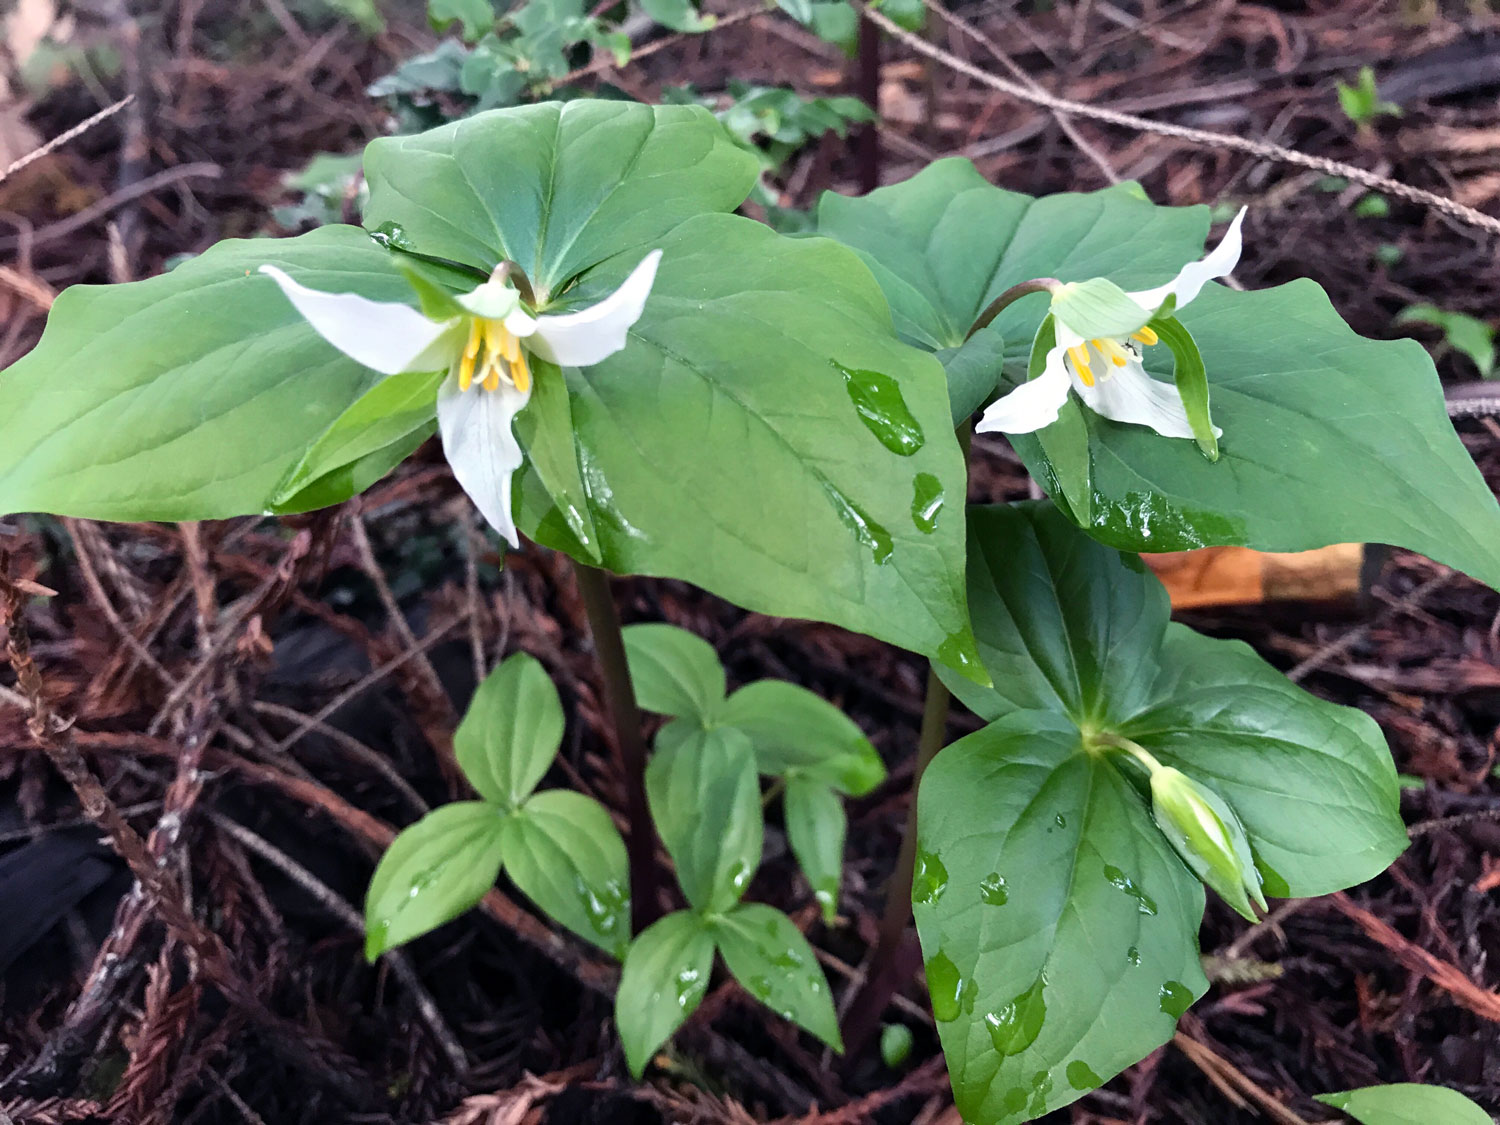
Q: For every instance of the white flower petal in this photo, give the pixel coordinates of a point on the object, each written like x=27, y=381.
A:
x=1129, y=394
x=481, y=449
x=389, y=337
x=1191, y=279
x=590, y=335
x=1033, y=404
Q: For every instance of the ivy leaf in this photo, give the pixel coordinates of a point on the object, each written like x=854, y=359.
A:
x=511, y=732
x=565, y=854
x=663, y=980
x=705, y=800
x=432, y=872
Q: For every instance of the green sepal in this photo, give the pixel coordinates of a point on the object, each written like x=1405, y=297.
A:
x=1191, y=377
x=436, y=301
x=1098, y=309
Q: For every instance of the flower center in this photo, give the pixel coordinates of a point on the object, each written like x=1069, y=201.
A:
x=1111, y=353
x=493, y=352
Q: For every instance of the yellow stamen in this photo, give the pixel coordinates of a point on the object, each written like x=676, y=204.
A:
x=491, y=373
x=1145, y=336
x=1113, y=350
x=465, y=372
x=520, y=373
x=1079, y=354
x=471, y=353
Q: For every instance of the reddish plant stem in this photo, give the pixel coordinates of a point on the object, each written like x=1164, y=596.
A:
x=619, y=693
x=867, y=89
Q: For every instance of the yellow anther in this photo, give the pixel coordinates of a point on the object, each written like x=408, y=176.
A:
x=1079, y=354
x=1145, y=336
x=492, y=373
x=1113, y=350
x=476, y=337
x=520, y=374
x=466, y=372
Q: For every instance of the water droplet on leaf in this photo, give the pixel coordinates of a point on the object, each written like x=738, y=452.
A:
x=878, y=402
x=993, y=890
x=869, y=533
x=1015, y=1027
x=1176, y=998
x=926, y=502
x=1082, y=1077
x=1123, y=882
x=951, y=994
x=930, y=879
x=1133, y=957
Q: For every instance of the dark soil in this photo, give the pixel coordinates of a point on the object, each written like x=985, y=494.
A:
x=189, y=658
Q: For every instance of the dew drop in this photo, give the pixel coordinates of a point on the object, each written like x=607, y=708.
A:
x=1133, y=957
x=960, y=652
x=1015, y=1099
x=878, y=402
x=951, y=994
x=993, y=890
x=1060, y=820
x=392, y=236
x=926, y=502
x=1176, y=998
x=1123, y=882
x=869, y=533
x=929, y=880
x=760, y=987
x=1082, y=1077
x=1015, y=1026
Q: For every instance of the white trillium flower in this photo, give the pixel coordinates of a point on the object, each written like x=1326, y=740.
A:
x=484, y=350
x=1106, y=371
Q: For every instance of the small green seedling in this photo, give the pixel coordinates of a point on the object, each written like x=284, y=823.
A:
x=1362, y=103
x=1461, y=332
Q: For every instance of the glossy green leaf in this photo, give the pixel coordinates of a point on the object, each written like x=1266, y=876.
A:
x=545, y=431
x=1190, y=376
x=432, y=872
x=511, y=732
x=674, y=672
x=1058, y=926
x=763, y=404
x=946, y=242
x=815, y=827
x=389, y=421
x=565, y=854
x=187, y=396
x=705, y=800
x=796, y=731
x=555, y=187
x=769, y=956
x=664, y=978
x=1328, y=438
x=1407, y=1103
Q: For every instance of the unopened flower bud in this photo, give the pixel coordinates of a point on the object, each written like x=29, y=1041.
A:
x=1208, y=837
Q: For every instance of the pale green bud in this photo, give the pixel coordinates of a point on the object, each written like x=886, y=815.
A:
x=1208, y=837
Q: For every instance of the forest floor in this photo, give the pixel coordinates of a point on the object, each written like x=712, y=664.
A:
x=252, y=703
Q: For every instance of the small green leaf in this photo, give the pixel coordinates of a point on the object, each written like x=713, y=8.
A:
x=1468, y=334
x=679, y=15
x=705, y=800
x=769, y=956
x=895, y=1044
x=390, y=420
x=663, y=980
x=815, y=826
x=432, y=872
x=1191, y=378
x=512, y=731
x=794, y=730
x=545, y=429
x=476, y=16
x=675, y=672
x=565, y=854
x=836, y=22
x=1407, y=1104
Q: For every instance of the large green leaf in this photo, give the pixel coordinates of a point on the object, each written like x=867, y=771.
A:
x=557, y=187
x=1078, y=641
x=769, y=956
x=946, y=242
x=187, y=396
x=565, y=854
x=765, y=436
x=1328, y=437
x=432, y=872
x=1407, y=1103
x=662, y=982
x=511, y=732
x=1059, y=927
x=705, y=801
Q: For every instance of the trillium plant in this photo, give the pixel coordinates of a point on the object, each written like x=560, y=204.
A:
x=625, y=372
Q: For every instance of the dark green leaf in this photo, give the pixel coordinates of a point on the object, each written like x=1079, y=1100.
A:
x=512, y=731
x=769, y=956
x=705, y=800
x=664, y=978
x=432, y=872
x=565, y=854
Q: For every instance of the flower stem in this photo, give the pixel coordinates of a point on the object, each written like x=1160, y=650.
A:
x=881, y=982
x=512, y=272
x=1010, y=297
x=619, y=693
x=1134, y=749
